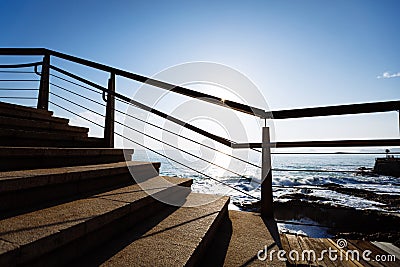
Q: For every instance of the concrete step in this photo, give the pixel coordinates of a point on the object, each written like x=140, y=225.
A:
x=28, y=188
x=49, y=236
x=32, y=125
x=24, y=158
x=240, y=238
x=16, y=111
x=13, y=107
x=177, y=236
x=12, y=137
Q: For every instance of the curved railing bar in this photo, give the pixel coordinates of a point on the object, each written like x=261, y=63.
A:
x=23, y=65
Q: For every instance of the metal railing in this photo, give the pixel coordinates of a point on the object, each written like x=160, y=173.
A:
x=110, y=95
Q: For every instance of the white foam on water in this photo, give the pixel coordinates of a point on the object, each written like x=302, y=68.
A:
x=378, y=185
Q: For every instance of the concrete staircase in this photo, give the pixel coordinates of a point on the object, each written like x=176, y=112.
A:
x=27, y=127
x=65, y=200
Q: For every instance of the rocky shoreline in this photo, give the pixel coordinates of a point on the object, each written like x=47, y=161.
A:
x=342, y=222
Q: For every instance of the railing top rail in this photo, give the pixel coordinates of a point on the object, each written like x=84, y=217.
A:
x=323, y=143
x=279, y=114
x=24, y=51
x=337, y=110
x=143, y=79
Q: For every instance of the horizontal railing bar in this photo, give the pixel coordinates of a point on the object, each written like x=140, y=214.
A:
x=15, y=71
x=333, y=143
x=337, y=110
x=19, y=89
x=18, y=80
x=23, y=51
x=16, y=97
x=334, y=153
x=340, y=143
x=23, y=65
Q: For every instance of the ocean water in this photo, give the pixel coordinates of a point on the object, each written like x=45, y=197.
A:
x=295, y=182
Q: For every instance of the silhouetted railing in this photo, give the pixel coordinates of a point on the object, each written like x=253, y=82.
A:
x=110, y=95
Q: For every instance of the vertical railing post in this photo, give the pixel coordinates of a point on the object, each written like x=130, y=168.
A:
x=110, y=113
x=266, y=176
x=43, y=97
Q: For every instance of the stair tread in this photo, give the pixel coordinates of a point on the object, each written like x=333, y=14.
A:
x=171, y=242
x=24, y=179
x=26, y=158
x=240, y=239
x=9, y=106
x=23, y=138
x=43, y=230
x=61, y=152
x=28, y=114
x=39, y=134
x=29, y=123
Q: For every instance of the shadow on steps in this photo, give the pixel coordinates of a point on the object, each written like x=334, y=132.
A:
x=101, y=254
x=216, y=253
x=239, y=239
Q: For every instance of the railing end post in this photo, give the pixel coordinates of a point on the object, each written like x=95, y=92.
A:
x=110, y=114
x=44, y=87
x=266, y=176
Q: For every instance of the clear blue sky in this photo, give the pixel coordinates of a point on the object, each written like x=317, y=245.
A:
x=299, y=53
